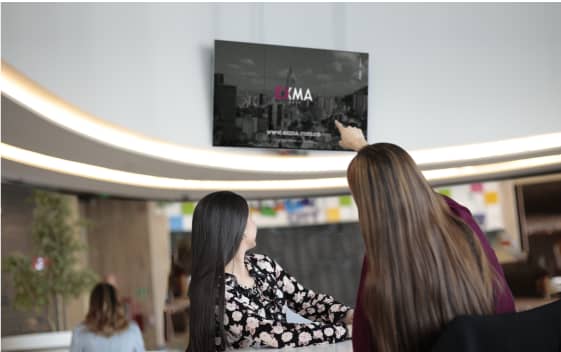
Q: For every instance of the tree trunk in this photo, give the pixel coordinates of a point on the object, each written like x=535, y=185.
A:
x=49, y=318
x=64, y=322
x=57, y=315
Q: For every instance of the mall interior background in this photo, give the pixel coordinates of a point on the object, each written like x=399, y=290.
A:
x=440, y=75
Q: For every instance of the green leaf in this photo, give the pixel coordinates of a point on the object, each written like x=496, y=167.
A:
x=55, y=236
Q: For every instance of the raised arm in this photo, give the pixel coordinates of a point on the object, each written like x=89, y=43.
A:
x=315, y=306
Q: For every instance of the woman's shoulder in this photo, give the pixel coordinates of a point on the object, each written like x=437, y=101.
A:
x=79, y=329
x=262, y=261
x=257, y=257
x=132, y=330
x=133, y=327
x=456, y=207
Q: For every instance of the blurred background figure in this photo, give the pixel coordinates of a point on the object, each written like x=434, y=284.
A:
x=111, y=279
x=176, y=313
x=106, y=328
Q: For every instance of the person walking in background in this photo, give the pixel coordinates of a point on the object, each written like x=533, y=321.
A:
x=427, y=261
x=106, y=327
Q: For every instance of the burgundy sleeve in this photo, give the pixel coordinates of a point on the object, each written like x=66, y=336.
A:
x=504, y=302
x=361, y=330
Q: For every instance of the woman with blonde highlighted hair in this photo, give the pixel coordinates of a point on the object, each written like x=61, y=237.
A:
x=426, y=262
x=106, y=327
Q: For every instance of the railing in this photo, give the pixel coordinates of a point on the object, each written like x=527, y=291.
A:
x=42, y=342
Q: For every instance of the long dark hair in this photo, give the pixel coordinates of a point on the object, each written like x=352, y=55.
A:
x=425, y=265
x=106, y=315
x=218, y=226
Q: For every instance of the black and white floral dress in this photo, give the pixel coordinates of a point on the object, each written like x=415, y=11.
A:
x=255, y=317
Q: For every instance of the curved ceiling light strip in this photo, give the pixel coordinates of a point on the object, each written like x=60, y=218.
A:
x=27, y=93
x=492, y=169
x=54, y=109
x=94, y=172
x=74, y=168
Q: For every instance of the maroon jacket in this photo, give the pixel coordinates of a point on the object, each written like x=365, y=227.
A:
x=504, y=301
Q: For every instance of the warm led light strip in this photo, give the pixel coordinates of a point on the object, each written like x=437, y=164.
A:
x=74, y=168
x=54, y=109
x=493, y=168
x=57, y=111
x=99, y=173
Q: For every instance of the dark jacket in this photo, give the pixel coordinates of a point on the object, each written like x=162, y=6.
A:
x=536, y=330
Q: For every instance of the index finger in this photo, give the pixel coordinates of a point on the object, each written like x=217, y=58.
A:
x=339, y=125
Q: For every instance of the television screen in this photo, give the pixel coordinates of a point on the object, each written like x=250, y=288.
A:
x=270, y=96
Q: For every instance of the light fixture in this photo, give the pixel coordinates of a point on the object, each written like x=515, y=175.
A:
x=99, y=173
x=504, y=167
x=52, y=108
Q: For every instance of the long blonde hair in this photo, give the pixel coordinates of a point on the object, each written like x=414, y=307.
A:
x=425, y=265
x=106, y=315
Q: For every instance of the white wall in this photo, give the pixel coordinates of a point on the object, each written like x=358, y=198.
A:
x=440, y=74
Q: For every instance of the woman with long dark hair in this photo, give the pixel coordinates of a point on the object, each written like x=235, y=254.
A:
x=238, y=299
x=106, y=327
x=427, y=261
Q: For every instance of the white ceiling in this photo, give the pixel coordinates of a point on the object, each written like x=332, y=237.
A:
x=25, y=129
x=440, y=74
x=471, y=73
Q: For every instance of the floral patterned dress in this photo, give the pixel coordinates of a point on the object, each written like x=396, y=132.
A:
x=255, y=316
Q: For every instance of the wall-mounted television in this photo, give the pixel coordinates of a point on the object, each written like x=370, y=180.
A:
x=271, y=96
